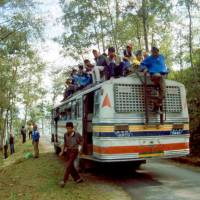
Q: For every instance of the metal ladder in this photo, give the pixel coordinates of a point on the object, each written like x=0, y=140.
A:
x=150, y=99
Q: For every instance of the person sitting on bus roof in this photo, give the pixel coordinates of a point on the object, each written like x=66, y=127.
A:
x=145, y=54
x=101, y=60
x=96, y=72
x=83, y=78
x=74, y=78
x=125, y=67
x=138, y=59
x=88, y=66
x=113, y=69
x=155, y=65
x=70, y=89
x=128, y=52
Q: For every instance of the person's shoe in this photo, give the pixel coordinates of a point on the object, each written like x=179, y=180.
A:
x=62, y=184
x=80, y=180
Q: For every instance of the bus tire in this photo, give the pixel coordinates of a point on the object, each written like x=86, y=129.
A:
x=137, y=164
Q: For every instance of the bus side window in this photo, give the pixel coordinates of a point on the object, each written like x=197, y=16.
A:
x=78, y=108
x=96, y=102
x=69, y=113
x=73, y=110
x=65, y=114
x=57, y=115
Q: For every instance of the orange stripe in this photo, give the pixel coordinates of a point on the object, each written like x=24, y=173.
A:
x=140, y=149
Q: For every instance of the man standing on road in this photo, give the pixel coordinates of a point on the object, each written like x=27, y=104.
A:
x=35, y=140
x=72, y=140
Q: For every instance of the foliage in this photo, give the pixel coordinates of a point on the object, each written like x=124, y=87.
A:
x=19, y=64
x=191, y=79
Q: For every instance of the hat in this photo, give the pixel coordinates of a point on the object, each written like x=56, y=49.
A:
x=111, y=49
x=154, y=49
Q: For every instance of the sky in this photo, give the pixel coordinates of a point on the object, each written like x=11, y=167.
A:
x=49, y=50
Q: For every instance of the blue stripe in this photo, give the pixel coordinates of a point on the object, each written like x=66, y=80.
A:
x=143, y=133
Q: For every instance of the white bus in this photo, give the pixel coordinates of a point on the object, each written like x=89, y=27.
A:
x=111, y=117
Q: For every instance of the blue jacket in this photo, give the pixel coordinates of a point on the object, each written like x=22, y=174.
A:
x=83, y=80
x=35, y=136
x=154, y=64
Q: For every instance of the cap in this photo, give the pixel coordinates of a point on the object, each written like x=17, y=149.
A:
x=111, y=49
x=154, y=49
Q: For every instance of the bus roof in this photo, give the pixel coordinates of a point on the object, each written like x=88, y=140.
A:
x=136, y=77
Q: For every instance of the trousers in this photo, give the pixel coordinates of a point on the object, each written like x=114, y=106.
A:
x=71, y=155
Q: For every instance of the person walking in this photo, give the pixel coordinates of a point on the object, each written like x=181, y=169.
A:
x=72, y=140
x=35, y=141
x=11, y=141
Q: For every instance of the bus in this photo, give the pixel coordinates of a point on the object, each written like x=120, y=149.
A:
x=111, y=116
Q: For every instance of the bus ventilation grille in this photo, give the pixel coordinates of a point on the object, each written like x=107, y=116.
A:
x=130, y=98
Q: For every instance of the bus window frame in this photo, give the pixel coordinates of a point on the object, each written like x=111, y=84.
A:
x=62, y=110
x=79, y=108
x=68, y=106
x=97, y=92
x=73, y=110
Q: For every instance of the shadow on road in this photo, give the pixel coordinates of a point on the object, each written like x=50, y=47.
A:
x=122, y=174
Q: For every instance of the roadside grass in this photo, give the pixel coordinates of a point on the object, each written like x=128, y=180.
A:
x=31, y=179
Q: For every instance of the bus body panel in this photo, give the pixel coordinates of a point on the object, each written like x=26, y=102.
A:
x=118, y=128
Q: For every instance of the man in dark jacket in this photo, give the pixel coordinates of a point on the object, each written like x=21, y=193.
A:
x=11, y=141
x=72, y=140
x=23, y=133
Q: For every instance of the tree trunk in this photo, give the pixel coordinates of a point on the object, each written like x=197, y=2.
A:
x=138, y=35
x=190, y=33
x=101, y=25
x=25, y=116
x=4, y=126
x=97, y=37
x=144, y=21
x=113, y=28
x=102, y=33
